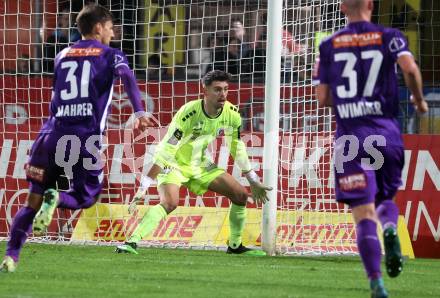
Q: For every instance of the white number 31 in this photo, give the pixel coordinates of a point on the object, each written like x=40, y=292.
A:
x=72, y=91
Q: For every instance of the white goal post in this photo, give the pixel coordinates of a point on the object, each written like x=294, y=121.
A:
x=272, y=123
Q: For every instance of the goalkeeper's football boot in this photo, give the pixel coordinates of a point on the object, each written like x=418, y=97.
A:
x=8, y=265
x=243, y=250
x=44, y=215
x=378, y=289
x=127, y=247
x=393, y=254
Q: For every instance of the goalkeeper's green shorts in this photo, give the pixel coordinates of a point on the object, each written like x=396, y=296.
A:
x=197, y=184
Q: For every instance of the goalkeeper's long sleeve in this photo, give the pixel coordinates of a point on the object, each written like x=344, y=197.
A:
x=165, y=154
x=238, y=149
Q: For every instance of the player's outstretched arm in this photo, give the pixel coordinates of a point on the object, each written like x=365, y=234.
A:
x=413, y=80
x=238, y=152
x=258, y=189
x=123, y=71
x=146, y=181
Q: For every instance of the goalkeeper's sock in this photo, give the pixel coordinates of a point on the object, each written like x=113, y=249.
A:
x=388, y=214
x=237, y=219
x=148, y=223
x=20, y=229
x=369, y=247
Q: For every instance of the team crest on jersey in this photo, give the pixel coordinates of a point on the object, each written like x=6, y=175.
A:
x=118, y=59
x=197, y=130
x=396, y=44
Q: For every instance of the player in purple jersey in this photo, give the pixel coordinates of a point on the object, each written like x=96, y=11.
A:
x=82, y=90
x=356, y=75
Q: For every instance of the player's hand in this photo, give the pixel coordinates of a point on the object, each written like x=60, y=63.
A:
x=142, y=123
x=259, y=192
x=132, y=208
x=421, y=106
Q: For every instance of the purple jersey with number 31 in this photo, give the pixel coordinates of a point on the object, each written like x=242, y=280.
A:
x=83, y=87
x=82, y=93
x=359, y=64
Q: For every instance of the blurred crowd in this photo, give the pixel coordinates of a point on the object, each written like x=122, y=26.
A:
x=230, y=50
x=232, y=53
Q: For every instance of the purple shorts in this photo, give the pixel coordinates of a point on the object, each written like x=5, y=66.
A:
x=42, y=171
x=359, y=184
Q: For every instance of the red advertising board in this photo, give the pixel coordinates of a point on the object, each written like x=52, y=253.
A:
x=418, y=198
x=304, y=173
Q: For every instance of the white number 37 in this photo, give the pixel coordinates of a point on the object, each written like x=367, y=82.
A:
x=349, y=72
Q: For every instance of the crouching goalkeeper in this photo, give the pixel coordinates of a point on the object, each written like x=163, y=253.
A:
x=180, y=159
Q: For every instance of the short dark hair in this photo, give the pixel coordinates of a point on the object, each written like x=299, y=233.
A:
x=216, y=75
x=90, y=15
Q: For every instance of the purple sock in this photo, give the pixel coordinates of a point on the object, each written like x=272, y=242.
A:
x=369, y=247
x=21, y=227
x=388, y=214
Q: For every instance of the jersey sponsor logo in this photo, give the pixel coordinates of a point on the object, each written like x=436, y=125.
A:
x=34, y=173
x=359, y=109
x=168, y=169
x=83, y=52
x=353, y=182
x=396, y=44
x=74, y=110
x=357, y=40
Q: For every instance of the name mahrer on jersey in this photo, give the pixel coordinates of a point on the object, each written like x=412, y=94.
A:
x=359, y=109
x=79, y=109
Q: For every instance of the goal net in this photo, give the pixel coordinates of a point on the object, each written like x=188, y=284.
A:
x=171, y=45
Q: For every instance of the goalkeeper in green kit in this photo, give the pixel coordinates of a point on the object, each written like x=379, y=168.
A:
x=180, y=159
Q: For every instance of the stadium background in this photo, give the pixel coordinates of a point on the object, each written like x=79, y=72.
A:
x=25, y=97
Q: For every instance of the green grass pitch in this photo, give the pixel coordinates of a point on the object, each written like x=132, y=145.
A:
x=96, y=271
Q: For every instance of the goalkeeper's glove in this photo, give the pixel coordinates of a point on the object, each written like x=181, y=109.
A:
x=258, y=189
x=137, y=197
x=145, y=183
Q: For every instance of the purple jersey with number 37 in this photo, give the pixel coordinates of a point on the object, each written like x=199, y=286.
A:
x=359, y=65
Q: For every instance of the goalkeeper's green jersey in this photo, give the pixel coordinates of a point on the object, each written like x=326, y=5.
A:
x=192, y=130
